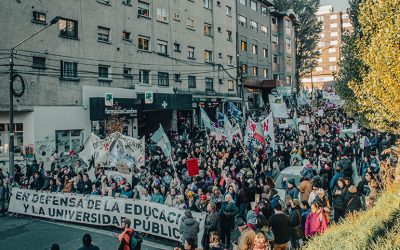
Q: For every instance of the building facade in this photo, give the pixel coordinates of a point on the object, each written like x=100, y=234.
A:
x=182, y=52
x=266, y=48
x=334, y=25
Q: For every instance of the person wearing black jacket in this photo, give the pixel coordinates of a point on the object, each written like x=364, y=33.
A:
x=211, y=224
x=339, y=194
x=85, y=185
x=37, y=182
x=352, y=200
x=295, y=230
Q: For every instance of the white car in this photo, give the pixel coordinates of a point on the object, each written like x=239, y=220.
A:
x=292, y=172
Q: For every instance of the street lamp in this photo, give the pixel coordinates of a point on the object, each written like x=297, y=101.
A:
x=12, y=77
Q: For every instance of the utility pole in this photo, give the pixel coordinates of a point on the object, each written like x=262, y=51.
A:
x=11, y=114
x=242, y=89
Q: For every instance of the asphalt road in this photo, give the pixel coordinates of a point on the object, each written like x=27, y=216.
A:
x=25, y=233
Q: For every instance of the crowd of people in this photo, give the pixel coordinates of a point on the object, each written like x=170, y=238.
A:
x=236, y=186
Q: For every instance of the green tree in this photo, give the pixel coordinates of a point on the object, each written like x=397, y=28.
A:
x=351, y=65
x=307, y=31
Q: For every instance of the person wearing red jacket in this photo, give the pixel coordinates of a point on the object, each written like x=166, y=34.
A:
x=316, y=222
x=125, y=237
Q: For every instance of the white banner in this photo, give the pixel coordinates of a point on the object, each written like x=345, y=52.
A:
x=147, y=217
x=278, y=107
x=115, y=148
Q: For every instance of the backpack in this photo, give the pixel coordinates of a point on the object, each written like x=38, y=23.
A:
x=135, y=242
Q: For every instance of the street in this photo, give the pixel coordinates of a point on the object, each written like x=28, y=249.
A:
x=30, y=233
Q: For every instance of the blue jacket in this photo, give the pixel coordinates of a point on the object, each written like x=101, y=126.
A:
x=158, y=198
x=126, y=194
x=335, y=178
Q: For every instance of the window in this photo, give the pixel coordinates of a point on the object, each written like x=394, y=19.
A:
x=287, y=23
x=192, y=81
x=333, y=17
x=265, y=52
x=253, y=5
x=320, y=18
x=231, y=85
x=333, y=34
x=176, y=17
x=276, y=59
x=264, y=10
x=68, y=28
x=321, y=44
x=333, y=25
x=209, y=84
x=332, y=59
x=288, y=61
x=219, y=55
x=254, y=49
x=104, y=72
x=127, y=2
x=346, y=25
x=103, y=34
x=18, y=137
x=143, y=9
x=218, y=3
x=229, y=35
x=191, y=52
x=318, y=69
x=177, y=47
x=68, y=139
x=162, y=15
x=39, y=17
x=289, y=80
x=143, y=43
x=242, y=20
x=208, y=56
x=275, y=40
x=242, y=2
x=276, y=77
x=177, y=77
x=38, y=62
x=255, y=70
x=230, y=60
x=163, y=79
x=126, y=36
x=332, y=68
x=162, y=47
x=319, y=60
x=243, y=45
x=288, y=43
x=274, y=21
x=322, y=35
x=332, y=50
x=207, y=29
x=207, y=4
x=253, y=25
x=190, y=23
x=228, y=11
x=69, y=69
x=244, y=68
x=219, y=29
x=127, y=72
x=334, y=42
x=265, y=73
x=264, y=30
x=144, y=76
x=345, y=16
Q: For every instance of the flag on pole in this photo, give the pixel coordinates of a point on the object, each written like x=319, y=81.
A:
x=220, y=117
x=207, y=123
x=262, y=104
x=271, y=130
x=234, y=111
x=228, y=128
x=259, y=133
x=162, y=141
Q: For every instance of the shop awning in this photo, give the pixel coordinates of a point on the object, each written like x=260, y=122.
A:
x=262, y=84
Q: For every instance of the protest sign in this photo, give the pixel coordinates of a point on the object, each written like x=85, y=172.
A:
x=193, y=167
x=148, y=217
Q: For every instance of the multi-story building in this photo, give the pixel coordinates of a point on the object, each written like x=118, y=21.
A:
x=180, y=53
x=334, y=25
x=266, y=47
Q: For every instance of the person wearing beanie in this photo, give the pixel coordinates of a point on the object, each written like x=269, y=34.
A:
x=291, y=188
x=189, y=227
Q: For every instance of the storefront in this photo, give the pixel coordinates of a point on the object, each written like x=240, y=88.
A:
x=172, y=111
x=122, y=116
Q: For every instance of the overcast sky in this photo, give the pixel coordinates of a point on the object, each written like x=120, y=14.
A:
x=337, y=4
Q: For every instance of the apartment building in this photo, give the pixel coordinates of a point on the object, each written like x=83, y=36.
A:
x=266, y=48
x=335, y=24
x=160, y=60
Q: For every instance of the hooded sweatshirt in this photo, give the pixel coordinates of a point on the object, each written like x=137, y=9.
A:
x=189, y=228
